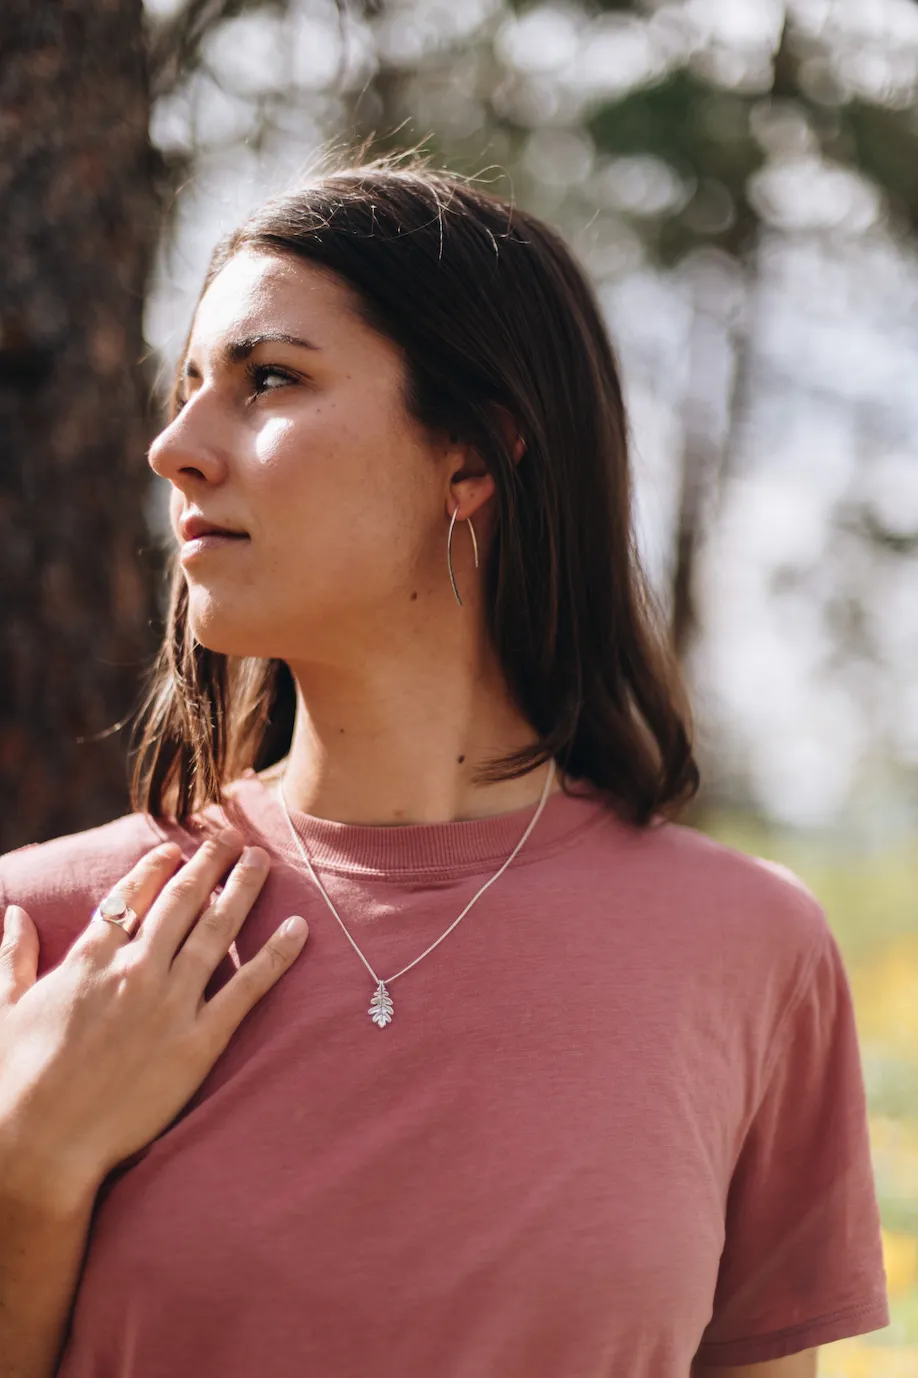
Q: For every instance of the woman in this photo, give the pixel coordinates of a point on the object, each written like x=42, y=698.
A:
x=559, y=1086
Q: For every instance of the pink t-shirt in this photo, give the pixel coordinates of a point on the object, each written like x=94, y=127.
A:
x=617, y=1121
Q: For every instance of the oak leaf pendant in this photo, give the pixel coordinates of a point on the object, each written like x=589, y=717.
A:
x=380, y=1010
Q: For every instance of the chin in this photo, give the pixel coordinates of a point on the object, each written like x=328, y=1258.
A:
x=225, y=629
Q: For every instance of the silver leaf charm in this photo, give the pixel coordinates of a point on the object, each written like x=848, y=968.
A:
x=380, y=1010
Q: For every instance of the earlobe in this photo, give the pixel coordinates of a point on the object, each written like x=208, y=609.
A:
x=469, y=495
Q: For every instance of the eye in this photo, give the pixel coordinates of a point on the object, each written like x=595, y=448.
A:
x=258, y=375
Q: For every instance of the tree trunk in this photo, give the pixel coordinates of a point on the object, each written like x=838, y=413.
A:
x=78, y=226
x=699, y=463
x=708, y=450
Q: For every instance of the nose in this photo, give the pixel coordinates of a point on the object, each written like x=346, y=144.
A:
x=186, y=451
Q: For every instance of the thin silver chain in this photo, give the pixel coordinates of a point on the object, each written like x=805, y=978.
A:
x=379, y=981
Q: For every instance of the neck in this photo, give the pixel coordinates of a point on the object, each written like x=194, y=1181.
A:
x=399, y=743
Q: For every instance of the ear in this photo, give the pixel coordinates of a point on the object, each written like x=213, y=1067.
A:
x=510, y=431
x=469, y=492
x=472, y=485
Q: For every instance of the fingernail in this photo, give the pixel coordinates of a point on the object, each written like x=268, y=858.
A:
x=295, y=927
x=255, y=856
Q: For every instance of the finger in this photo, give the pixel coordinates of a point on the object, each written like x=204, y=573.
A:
x=140, y=888
x=177, y=908
x=223, y=1013
x=18, y=954
x=210, y=937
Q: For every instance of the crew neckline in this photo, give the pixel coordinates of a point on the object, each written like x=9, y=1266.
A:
x=405, y=851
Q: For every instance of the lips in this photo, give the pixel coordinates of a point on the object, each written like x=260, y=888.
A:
x=193, y=527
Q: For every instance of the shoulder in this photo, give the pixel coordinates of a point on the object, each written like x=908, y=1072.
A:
x=63, y=866
x=708, y=888
x=59, y=882
x=694, y=855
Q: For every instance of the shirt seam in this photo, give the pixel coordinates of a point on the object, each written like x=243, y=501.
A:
x=794, y=1001
x=287, y=852
x=850, y=1312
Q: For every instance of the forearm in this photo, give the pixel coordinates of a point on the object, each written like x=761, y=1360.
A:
x=42, y=1245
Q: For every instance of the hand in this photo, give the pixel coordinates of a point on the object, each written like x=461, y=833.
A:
x=100, y=1055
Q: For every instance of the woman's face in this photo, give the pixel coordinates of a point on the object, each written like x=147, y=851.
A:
x=308, y=449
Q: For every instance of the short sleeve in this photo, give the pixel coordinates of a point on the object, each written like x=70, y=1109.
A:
x=802, y=1262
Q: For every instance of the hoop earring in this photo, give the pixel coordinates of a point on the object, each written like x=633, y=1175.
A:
x=449, y=550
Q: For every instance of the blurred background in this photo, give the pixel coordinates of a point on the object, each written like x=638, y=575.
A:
x=740, y=180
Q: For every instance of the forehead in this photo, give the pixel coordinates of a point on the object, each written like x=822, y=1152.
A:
x=258, y=292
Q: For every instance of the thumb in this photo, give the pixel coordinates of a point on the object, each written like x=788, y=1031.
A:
x=18, y=953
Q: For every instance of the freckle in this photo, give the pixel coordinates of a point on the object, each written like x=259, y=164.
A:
x=399, y=813
x=461, y=759
x=414, y=595
x=341, y=730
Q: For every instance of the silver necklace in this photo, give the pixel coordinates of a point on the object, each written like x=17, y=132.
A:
x=381, y=1007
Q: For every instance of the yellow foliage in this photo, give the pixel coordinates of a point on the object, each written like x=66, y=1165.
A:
x=855, y=1359
x=894, y=1149
x=885, y=991
x=900, y=1258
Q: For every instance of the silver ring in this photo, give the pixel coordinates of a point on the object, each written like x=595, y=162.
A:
x=115, y=909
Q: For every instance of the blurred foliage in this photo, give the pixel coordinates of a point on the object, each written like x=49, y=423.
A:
x=885, y=143
x=705, y=131
x=705, y=137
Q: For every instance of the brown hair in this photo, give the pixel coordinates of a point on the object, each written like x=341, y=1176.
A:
x=488, y=307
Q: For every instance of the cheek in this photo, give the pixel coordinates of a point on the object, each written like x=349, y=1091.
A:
x=346, y=506
x=298, y=460
x=341, y=485
x=281, y=462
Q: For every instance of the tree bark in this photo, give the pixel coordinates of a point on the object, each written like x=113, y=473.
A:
x=709, y=448
x=700, y=461
x=79, y=216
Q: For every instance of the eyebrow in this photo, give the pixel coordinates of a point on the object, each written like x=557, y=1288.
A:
x=235, y=351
